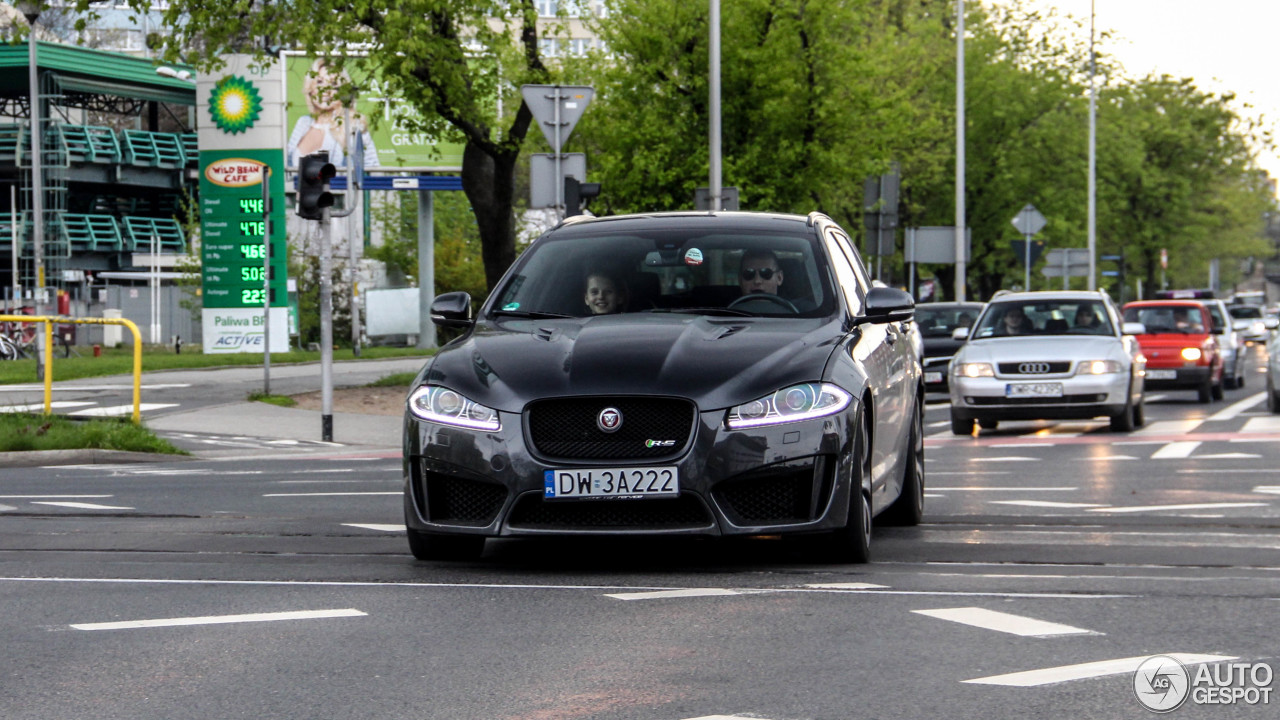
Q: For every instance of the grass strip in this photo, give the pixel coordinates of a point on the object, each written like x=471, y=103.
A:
x=20, y=432
x=281, y=400
x=402, y=379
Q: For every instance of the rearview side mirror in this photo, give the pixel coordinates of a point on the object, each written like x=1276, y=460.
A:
x=451, y=310
x=960, y=333
x=886, y=304
x=1133, y=328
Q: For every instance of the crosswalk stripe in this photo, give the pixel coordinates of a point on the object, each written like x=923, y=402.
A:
x=1170, y=427
x=1175, y=451
x=1265, y=424
x=1189, y=506
x=1003, y=622
x=1084, y=671
x=663, y=594
x=39, y=407
x=120, y=410
x=1231, y=411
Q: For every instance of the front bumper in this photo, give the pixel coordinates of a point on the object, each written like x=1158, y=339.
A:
x=791, y=478
x=1083, y=397
x=1185, y=377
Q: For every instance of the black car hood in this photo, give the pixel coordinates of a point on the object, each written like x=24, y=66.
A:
x=715, y=361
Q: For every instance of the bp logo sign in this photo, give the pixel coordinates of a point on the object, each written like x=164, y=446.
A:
x=235, y=104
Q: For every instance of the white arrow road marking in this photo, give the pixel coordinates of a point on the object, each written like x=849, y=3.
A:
x=1162, y=508
x=81, y=506
x=374, y=526
x=121, y=410
x=1169, y=427
x=979, y=488
x=220, y=619
x=1084, y=671
x=845, y=586
x=1044, y=504
x=1268, y=489
x=39, y=407
x=332, y=494
x=1004, y=622
x=662, y=594
x=1175, y=451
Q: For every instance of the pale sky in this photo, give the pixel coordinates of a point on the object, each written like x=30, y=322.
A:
x=1225, y=45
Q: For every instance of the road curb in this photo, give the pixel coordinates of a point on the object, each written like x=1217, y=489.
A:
x=40, y=458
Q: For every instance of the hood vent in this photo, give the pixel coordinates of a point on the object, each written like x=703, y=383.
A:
x=725, y=331
x=547, y=334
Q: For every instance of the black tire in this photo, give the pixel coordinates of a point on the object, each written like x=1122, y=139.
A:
x=1123, y=422
x=988, y=424
x=1273, y=402
x=1240, y=375
x=1205, y=392
x=908, y=509
x=428, y=546
x=1140, y=412
x=852, y=543
x=961, y=427
x=1216, y=389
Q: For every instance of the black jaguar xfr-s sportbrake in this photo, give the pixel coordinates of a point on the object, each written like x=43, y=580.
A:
x=720, y=374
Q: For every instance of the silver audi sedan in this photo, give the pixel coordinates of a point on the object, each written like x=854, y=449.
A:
x=1048, y=355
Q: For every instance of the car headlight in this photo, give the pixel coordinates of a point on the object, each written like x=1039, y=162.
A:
x=447, y=407
x=1191, y=354
x=973, y=370
x=1098, y=367
x=790, y=404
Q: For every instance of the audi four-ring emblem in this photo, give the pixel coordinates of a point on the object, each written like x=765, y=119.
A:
x=1033, y=368
x=609, y=420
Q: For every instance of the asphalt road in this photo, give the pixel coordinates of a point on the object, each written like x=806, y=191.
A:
x=276, y=583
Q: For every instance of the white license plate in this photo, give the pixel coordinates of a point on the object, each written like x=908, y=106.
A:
x=1162, y=374
x=597, y=483
x=933, y=377
x=1033, y=390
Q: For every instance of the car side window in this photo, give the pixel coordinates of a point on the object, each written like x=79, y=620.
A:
x=846, y=276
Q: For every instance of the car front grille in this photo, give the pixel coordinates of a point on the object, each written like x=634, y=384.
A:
x=683, y=512
x=1035, y=368
x=461, y=501
x=1064, y=400
x=566, y=428
x=776, y=496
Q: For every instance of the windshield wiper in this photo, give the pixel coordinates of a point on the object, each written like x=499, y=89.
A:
x=705, y=311
x=530, y=314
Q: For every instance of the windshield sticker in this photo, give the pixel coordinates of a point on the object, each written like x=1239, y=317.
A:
x=511, y=306
x=693, y=257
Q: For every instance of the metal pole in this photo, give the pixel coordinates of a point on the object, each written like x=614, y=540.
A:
x=555, y=100
x=266, y=279
x=960, y=222
x=15, y=219
x=155, y=289
x=37, y=184
x=326, y=328
x=426, y=268
x=1026, y=259
x=714, y=108
x=355, y=164
x=1093, y=159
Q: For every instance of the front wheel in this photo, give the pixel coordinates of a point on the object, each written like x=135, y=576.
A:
x=1273, y=402
x=852, y=543
x=908, y=509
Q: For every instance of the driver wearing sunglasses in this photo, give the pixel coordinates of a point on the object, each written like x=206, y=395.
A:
x=760, y=272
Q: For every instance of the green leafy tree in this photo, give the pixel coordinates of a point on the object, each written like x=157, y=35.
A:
x=455, y=61
x=458, y=263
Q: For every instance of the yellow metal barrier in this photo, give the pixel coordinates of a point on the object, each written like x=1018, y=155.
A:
x=50, y=320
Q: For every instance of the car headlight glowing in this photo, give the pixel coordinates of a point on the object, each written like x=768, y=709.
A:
x=1191, y=354
x=973, y=370
x=790, y=404
x=447, y=407
x=1098, y=367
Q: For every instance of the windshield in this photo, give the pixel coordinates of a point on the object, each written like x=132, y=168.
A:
x=591, y=271
x=940, y=321
x=1245, y=312
x=1167, y=318
x=1045, y=317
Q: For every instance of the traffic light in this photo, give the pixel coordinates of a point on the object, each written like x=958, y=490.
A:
x=575, y=192
x=314, y=173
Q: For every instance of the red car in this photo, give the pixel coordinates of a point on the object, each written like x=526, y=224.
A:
x=1181, y=349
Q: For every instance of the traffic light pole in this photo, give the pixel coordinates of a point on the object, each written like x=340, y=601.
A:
x=326, y=328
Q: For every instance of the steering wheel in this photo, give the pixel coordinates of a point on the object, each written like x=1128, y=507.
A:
x=775, y=299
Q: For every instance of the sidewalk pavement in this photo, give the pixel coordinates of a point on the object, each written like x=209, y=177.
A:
x=265, y=421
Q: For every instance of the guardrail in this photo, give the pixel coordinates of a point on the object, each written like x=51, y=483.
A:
x=50, y=320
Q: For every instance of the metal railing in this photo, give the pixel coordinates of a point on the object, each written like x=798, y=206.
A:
x=50, y=320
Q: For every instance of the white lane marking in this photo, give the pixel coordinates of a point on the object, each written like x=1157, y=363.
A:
x=934, y=495
x=1006, y=458
x=1109, y=458
x=981, y=488
x=1267, y=489
x=845, y=586
x=726, y=717
x=1044, y=504
x=332, y=494
x=1164, y=508
x=1094, y=537
x=34, y=407
x=1264, y=424
x=1231, y=411
x=31, y=497
x=1170, y=427
x=663, y=594
x=375, y=526
x=971, y=473
x=1175, y=451
x=7, y=508
x=1026, y=444
x=120, y=410
x=81, y=506
x=1004, y=622
x=1155, y=398
x=944, y=423
x=220, y=619
x=1084, y=671
x=28, y=387
x=1229, y=456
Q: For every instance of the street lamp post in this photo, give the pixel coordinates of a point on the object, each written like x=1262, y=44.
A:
x=30, y=9
x=961, y=267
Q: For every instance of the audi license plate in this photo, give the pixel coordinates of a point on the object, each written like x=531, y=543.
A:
x=1162, y=374
x=1015, y=390
x=602, y=483
x=933, y=377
